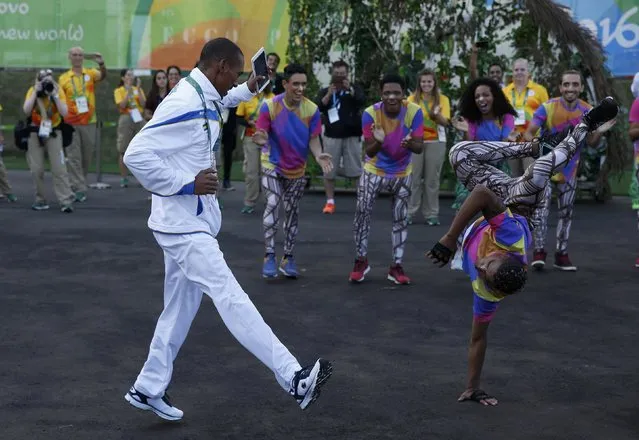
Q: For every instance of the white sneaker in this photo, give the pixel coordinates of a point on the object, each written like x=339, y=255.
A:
x=308, y=382
x=160, y=406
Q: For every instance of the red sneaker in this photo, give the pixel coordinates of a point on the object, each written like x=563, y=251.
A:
x=396, y=275
x=562, y=262
x=539, y=259
x=360, y=270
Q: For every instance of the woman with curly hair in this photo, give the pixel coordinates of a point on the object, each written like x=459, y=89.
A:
x=485, y=115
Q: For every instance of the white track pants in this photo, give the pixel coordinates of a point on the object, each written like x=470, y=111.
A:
x=194, y=264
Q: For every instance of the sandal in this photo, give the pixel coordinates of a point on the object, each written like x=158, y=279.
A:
x=479, y=395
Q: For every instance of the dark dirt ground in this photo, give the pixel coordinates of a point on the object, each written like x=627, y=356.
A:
x=80, y=295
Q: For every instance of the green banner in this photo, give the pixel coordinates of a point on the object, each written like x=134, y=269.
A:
x=136, y=33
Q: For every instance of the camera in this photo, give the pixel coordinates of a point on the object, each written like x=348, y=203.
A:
x=46, y=80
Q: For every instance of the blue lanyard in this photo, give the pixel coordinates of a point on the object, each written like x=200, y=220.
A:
x=337, y=101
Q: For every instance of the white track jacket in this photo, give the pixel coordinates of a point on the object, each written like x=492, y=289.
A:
x=173, y=147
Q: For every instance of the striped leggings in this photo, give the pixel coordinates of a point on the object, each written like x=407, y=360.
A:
x=289, y=192
x=566, y=201
x=368, y=188
x=474, y=164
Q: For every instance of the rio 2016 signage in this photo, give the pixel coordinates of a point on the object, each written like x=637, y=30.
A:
x=136, y=33
x=616, y=25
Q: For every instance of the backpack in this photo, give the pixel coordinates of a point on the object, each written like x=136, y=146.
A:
x=21, y=133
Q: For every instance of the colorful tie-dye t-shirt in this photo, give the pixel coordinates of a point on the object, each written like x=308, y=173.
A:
x=506, y=232
x=552, y=117
x=393, y=160
x=289, y=133
x=492, y=130
x=77, y=86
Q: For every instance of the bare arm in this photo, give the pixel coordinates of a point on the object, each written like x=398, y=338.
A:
x=326, y=98
x=372, y=147
x=439, y=119
x=61, y=105
x=474, y=73
x=27, y=108
x=481, y=199
x=315, y=146
x=125, y=101
x=415, y=144
x=477, y=353
x=103, y=71
x=531, y=132
x=633, y=132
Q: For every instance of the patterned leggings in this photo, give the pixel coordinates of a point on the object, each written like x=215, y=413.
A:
x=368, y=188
x=566, y=201
x=289, y=191
x=474, y=164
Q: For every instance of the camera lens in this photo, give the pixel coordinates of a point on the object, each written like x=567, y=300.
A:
x=48, y=87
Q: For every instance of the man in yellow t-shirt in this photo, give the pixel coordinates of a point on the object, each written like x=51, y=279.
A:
x=526, y=96
x=5, y=187
x=247, y=113
x=78, y=84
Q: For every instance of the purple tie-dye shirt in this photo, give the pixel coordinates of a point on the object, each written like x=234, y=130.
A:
x=553, y=116
x=289, y=133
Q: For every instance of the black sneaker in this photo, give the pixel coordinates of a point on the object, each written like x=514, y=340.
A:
x=607, y=110
x=308, y=382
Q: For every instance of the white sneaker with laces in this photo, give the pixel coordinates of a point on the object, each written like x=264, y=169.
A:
x=160, y=406
x=308, y=382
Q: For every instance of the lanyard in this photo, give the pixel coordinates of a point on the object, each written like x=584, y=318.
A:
x=427, y=105
x=132, y=101
x=428, y=122
x=515, y=98
x=75, y=90
x=218, y=141
x=337, y=102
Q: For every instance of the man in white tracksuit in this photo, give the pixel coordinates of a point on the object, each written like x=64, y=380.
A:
x=174, y=158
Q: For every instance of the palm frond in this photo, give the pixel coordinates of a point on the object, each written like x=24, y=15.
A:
x=553, y=19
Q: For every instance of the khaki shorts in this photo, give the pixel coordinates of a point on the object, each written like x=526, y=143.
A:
x=347, y=156
x=127, y=129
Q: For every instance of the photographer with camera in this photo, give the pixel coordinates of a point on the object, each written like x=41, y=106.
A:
x=45, y=103
x=341, y=106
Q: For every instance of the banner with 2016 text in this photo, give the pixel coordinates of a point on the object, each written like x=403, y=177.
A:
x=149, y=34
x=616, y=25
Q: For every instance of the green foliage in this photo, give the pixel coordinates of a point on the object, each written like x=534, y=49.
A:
x=407, y=35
